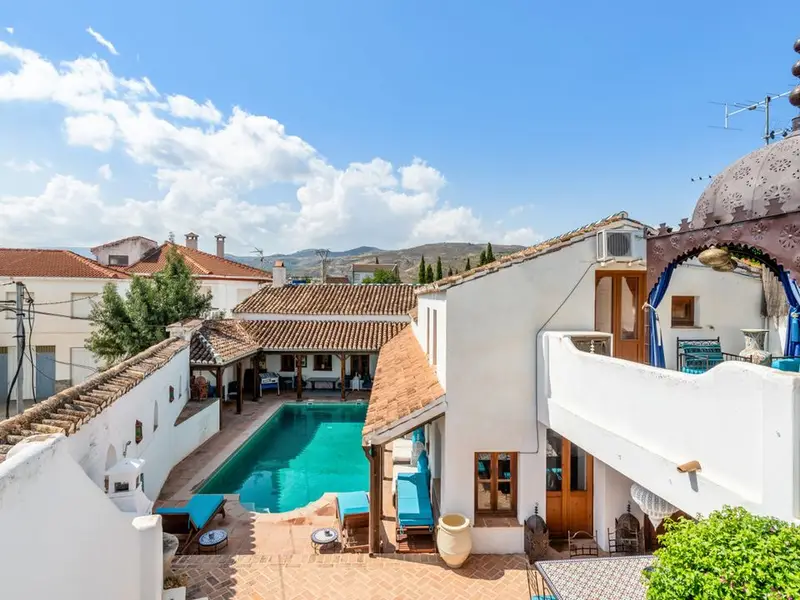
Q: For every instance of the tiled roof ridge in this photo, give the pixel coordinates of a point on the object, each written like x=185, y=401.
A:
x=67, y=410
x=331, y=299
x=119, y=241
x=24, y=253
x=204, y=340
x=256, y=272
x=187, y=252
x=96, y=265
x=526, y=254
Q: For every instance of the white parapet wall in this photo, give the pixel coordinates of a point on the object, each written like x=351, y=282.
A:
x=64, y=538
x=740, y=421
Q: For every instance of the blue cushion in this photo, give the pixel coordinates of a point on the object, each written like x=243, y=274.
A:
x=352, y=503
x=693, y=371
x=787, y=364
x=413, y=501
x=200, y=509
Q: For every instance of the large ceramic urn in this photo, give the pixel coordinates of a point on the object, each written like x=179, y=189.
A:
x=454, y=539
x=754, y=340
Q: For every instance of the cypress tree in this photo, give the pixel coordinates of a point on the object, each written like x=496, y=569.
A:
x=468, y=266
x=489, y=253
x=438, y=268
x=449, y=271
x=429, y=275
x=482, y=259
x=422, y=276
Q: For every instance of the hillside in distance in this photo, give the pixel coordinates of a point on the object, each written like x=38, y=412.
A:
x=305, y=263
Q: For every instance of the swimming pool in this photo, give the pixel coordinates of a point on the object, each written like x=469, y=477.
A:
x=300, y=453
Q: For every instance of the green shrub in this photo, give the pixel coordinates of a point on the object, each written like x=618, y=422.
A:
x=732, y=554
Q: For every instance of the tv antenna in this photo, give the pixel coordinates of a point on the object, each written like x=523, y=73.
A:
x=322, y=254
x=763, y=106
x=260, y=254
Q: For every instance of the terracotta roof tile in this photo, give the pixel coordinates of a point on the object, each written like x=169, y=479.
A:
x=68, y=410
x=331, y=299
x=319, y=336
x=33, y=262
x=526, y=254
x=221, y=342
x=404, y=383
x=199, y=263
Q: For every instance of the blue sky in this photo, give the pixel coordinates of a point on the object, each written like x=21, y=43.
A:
x=527, y=119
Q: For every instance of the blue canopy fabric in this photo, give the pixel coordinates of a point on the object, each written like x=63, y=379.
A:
x=656, y=296
x=201, y=509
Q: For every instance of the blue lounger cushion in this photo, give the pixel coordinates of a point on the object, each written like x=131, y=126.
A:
x=352, y=503
x=201, y=509
x=413, y=501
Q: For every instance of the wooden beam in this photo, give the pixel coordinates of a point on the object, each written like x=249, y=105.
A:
x=298, y=376
x=240, y=380
x=218, y=381
x=342, y=359
x=375, y=499
x=256, y=378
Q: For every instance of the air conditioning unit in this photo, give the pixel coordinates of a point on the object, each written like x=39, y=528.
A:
x=614, y=244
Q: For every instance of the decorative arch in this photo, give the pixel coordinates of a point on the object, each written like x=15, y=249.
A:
x=111, y=456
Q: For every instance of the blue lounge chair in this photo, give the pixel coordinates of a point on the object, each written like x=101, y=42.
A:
x=352, y=511
x=194, y=516
x=414, y=512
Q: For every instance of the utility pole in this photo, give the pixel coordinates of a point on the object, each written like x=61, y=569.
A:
x=20, y=344
x=323, y=253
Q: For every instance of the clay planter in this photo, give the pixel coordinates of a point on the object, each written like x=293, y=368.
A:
x=454, y=539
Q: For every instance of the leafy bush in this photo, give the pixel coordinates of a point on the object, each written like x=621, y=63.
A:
x=732, y=554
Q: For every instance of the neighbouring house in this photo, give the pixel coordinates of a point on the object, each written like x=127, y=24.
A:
x=361, y=271
x=527, y=374
x=229, y=282
x=63, y=487
x=60, y=289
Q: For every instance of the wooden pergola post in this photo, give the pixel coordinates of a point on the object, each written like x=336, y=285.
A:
x=256, y=378
x=375, y=498
x=240, y=382
x=342, y=359
x=298, y=376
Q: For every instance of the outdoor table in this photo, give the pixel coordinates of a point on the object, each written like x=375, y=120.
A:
x=213, y=540
x=331, y=381
x=607, y=578
x=324, y=538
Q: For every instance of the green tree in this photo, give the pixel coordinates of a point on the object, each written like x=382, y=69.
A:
x=382, y=276
x=449, y=271
x=467, y=267
x=429, y=275
x=422, y=276
x=731, y=554
x=122, y=327
x=489, y=253
x=438, y=268
x=482, y=259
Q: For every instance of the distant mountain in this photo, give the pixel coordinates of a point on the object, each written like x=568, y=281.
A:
x=305, y=263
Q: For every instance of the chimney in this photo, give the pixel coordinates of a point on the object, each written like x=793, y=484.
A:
x=220, y=245
x=191, y=240
x=278, y=274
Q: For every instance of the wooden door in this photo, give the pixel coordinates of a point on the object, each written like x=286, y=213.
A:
x=619, y=301
x=569, y=478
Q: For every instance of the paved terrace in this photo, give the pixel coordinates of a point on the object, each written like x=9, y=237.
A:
x=271, y=556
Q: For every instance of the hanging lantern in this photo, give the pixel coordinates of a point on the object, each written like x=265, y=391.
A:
x=726, y=267
x=715, y=257
x=653, y=506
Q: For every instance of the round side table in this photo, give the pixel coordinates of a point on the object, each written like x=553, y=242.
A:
x=324, y=538
x=213, y=541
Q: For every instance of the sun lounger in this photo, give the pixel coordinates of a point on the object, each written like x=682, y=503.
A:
x=352, y=511
x=401, y=451
x=414, y=512
x=193, y=517
x=396, y=470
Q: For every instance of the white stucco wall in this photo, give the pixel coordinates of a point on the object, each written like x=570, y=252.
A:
x=163, y=448
x=227, y=293
x=66, y=538
x=427, y=306
x=64, y=332
x=738, y=420
x=725, y=303
x=612, y=496
x=133, y=249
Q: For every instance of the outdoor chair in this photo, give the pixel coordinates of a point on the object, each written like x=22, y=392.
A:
x=582, y=543
x=537, y=589
x=352, y=512
x=193, y=517
x=413, y=502
x=698, y=356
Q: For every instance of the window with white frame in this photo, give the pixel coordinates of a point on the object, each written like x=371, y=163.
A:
x=81, y=305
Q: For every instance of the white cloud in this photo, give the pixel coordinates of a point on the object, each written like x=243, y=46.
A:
x=215, y=172
x=10, y=30
x=102, y=41
x=104, y=172
x=186, y=108
x=28, y=166
x=94, y=130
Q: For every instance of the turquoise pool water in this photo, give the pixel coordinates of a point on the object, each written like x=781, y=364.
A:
x=302, y=452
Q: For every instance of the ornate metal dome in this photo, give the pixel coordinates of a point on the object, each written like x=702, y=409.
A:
x=749, y=183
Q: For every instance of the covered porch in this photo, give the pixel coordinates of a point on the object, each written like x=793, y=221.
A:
x=405, y=398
